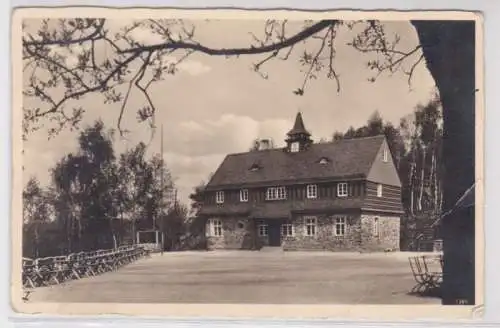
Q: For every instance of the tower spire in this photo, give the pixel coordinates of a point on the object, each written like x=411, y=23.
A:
x=299, y=138
x=298, y=126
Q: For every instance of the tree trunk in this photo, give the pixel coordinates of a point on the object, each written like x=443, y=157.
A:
x=134, y=231
x=37, y=241
x=449, y=50
x=410, y=182
x=422, y=180
x=434, y=181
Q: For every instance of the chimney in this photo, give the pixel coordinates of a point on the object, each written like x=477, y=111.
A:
x=264, y=144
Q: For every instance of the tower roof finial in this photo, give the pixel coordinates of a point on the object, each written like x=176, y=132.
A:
x=298, y=126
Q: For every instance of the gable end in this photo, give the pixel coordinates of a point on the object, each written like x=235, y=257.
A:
x=384, y=172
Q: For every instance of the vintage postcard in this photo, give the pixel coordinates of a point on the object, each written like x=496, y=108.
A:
x=233, y=163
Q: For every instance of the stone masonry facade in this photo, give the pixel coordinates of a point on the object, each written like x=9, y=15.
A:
x=365, y=232
x=388, y=237
x=237, y=233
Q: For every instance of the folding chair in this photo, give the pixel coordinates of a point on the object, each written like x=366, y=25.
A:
x=45, y=270
x=29, y=276
x=426, y=281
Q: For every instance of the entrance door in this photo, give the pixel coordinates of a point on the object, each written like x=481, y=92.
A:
x=274, y=233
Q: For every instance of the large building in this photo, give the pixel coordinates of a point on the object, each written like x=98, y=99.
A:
x=341, y=196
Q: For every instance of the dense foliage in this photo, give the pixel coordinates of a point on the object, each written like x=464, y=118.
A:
x=96, y=200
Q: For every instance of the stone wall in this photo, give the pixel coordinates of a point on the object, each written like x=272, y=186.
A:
x=325, y=238
x=237, y=233
x=359, y=234
x=388, y=237
x=241, y=233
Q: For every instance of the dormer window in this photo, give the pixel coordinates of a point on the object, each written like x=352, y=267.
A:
x=312, y=191
x=385, y=155
x=342, y=189
x=294, y=147
x=244, y=195
x=219, y=197
x=323, y=161
x=254, y=167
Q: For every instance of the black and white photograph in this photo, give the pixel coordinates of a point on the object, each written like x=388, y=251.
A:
x=244, y=158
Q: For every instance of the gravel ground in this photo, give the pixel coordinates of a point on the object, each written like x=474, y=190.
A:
x=249, y=277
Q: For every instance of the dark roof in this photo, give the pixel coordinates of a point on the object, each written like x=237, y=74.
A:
x=350, y=158
x=298, y=126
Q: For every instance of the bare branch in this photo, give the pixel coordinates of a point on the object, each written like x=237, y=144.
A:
x=314, y=62
x=302, y=35
x=43, y=56
x=257, y=66
x=332, y=72
x=102, y=85
x=412, y=69
x=95, y=35
x=373, y=39
x=125, y=100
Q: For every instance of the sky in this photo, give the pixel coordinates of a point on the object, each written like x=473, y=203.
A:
x=214, y=106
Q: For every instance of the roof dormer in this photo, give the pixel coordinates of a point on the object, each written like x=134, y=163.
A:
x=255, y=167
x=323, y=161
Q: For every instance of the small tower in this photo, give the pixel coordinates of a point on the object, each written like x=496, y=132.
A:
x=299, y=138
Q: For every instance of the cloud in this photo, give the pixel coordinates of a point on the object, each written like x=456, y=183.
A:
x=196, y=148
x=192, y=165
x=190, y=171
x=193, y=67
x=228, y=134
x=145, y=35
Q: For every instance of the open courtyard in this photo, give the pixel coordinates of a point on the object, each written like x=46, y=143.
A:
x=273, y=277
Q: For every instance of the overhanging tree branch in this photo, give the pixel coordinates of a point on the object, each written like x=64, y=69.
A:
x=301, y=36
x=92, y=75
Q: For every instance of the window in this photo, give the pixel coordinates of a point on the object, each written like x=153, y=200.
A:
x=385, y=155
x=312, y=191
x=255, y=167
x=310, y=223
x=342, y=189
x=276, y=193
x=287, y=229
x=340, y=225
x=263, y=229
x=214, y=228
x=294, y=147
x=219, y=197
x=375, y=227
x=241, y=225
x=379, y=190
x=244, y=195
